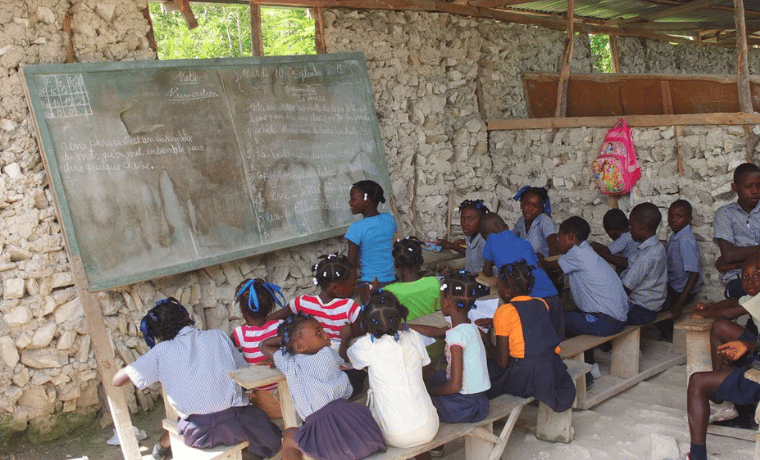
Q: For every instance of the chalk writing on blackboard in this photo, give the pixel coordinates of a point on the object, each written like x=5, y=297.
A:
x=185, y=164
x=63, y=95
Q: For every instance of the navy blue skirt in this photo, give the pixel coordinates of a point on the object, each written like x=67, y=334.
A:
x=544, y=378
x=737, y=389
x=341, y=430
x=458, y=407
x=231, y=426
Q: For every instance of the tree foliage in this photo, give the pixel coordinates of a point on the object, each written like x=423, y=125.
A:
x=225, y=31
x=600, y=49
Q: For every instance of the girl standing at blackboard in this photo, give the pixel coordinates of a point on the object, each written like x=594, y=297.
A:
x=370, y=240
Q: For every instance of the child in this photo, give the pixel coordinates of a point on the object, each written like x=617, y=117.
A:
x=420, y=294
x=536, y=225
x=370, y=240
x=398, y=398
x=332, y=308
x=723, y=385
x=256, y=299
x=470, y=212
x=723, y=329
x=526, y=363
x=459, y=394
x=622, y=246
x=503, y=247
x=333, y=428
x=193, y=367
x=596, y=289
x=646, y=278
x=684, y=269
x=737, y=227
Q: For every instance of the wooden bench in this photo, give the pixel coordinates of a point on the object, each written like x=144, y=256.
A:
x=480, y=441
x=184, y=452
x=626, y=367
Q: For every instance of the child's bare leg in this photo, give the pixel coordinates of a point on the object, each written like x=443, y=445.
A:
x=290, y=450
x=722, y=331
x=702, y=385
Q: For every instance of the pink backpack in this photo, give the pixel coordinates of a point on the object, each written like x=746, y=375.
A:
x=615, y=169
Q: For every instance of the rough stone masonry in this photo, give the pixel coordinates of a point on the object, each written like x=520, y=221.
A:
x=437, y=80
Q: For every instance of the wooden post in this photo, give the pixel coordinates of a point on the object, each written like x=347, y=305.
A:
x=615, y=53
x=667, y=99
x=319, y=30
x=104, y=354
x=564, y=77
x=257, y=46
x=187, y=12
x=449, y=215
x=745, y=91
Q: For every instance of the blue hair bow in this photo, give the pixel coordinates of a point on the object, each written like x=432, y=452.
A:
x=253, y=298
x=147, y=331
x=545, y=202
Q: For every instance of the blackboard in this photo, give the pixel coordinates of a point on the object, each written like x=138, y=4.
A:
x=160, y=167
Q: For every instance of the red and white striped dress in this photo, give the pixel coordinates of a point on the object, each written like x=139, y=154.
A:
x=248, y=339
x=332, y=315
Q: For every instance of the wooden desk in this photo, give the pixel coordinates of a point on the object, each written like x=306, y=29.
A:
x=255, y=376
x=435, y=258
x=697, y=344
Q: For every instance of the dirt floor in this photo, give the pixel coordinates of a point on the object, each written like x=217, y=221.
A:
x=91, y=444
x=646, y=422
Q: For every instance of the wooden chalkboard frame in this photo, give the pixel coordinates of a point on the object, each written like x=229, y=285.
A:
x=47, y=144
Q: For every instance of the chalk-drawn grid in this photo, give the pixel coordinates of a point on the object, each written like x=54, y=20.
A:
x=63, y=95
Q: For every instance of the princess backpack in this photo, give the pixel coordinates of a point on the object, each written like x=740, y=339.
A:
x=615, y=169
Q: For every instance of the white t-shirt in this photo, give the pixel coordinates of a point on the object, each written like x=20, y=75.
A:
x=475, y=371
x=397, y=397
x=752, y=305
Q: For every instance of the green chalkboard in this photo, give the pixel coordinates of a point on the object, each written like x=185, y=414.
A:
x=161, y=167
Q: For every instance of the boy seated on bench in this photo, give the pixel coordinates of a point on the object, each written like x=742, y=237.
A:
x=596, y=289
x=727, y=384
x=724, y=330
x=646, y=278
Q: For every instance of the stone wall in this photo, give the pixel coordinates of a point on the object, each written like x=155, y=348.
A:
x=436, y=78
x=639, y=55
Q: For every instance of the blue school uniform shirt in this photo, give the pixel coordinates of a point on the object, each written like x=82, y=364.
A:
x=505, y=248
x=474, y=254
x=647, y=275
x=540, y=229
x=624, y=246
x=683, y=259
x=594, y=284
x=194, y=369
x=733, y=224
x=374, y=236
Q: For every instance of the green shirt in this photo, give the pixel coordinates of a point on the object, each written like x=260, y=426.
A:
x=421, y=297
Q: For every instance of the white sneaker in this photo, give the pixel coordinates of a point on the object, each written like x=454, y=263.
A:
x=595, y=371
x=723, y=411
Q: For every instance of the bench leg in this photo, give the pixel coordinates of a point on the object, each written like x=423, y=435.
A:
x=626, y=354
x=580, y=386
x=698, y=357
x=477, y=448
x=482, y=444
x=554, y=426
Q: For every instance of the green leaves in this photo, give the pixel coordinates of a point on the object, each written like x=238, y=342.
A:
x=225, y=31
